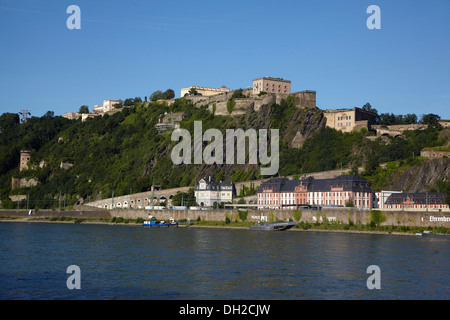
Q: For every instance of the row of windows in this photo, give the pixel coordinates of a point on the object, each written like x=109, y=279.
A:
x=347, y=124
x=346, y=118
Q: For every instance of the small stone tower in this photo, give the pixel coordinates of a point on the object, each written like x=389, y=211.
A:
x=25, y=157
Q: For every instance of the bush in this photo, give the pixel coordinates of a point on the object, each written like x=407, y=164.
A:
x=243, y=215
x=377, y=217
x=297, y=214
x=230, y=105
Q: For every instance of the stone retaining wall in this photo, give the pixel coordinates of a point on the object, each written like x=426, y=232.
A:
x=404, y=218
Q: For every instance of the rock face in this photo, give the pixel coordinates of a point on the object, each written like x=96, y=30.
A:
x=422, y=178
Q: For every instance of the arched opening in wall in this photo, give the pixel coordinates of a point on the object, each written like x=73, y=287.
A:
x=119, y=205
x=202, y=204
x=186, y=94
x=125, y=204
x=105, y=206
x=171, y=196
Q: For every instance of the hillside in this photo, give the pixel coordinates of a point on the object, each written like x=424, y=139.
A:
x=125, y=153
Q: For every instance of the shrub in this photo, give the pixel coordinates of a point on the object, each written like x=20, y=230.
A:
x=243, y=215
x=230, y=105
x=297, y=214
x=377, y=217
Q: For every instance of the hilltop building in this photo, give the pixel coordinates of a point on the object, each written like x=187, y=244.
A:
x=436, y=152
x=207, y=192
x=348, y=119
x=271, y=85
x=71, y=115
x=278, y=193
x=204, y=91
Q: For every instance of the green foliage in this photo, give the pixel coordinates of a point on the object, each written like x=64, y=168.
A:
x=376, y=217
x=159, y=95
x=349, y=203
x=237, y=94
x=297, y=214
x=84, y=109
x=444, y=186
x=243, y=215
x=230, y=105
x=184, y=198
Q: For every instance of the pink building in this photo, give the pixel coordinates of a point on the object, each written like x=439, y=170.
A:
x=344, y=190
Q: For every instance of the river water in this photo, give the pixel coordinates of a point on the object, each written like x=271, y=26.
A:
x=133, y=262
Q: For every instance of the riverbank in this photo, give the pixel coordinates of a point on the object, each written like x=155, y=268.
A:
x=339, y=228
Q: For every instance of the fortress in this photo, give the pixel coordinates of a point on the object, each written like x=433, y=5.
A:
x=265, y=91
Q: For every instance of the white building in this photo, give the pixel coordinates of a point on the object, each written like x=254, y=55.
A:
x=209, y=191
x=379, y=200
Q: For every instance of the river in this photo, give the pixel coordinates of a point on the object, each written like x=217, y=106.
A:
x=132, y=262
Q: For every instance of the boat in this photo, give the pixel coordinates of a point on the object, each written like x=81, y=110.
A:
x=429, y=233
x=153, y=223
x=273, y=226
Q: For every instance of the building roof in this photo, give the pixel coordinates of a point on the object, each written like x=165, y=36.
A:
x=344, y=182
x=273, y=79
x=417, y=198
x=213, y=185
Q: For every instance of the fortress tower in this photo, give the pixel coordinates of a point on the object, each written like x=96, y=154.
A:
x=25, y=157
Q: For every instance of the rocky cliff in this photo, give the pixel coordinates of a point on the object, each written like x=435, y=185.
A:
x=422, y=178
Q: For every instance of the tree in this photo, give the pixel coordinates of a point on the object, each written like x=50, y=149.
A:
x=193, y=92
x=410, y=118
x=84, y=109
x=157, y=95
x=367, y=107
x=430, y=119
x=128, y=102
x=50, y=114
x=168, y=94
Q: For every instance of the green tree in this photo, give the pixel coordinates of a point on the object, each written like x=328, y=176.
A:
x=168, y=94
x=193, y=92
x=84, y=109
x=377, y=217
x=367, y=107
x=157, y=95
x=430, y=119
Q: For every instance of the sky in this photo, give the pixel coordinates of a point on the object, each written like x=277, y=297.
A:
x=128, y=49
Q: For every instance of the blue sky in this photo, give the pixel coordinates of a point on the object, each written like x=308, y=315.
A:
x=133, y=48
